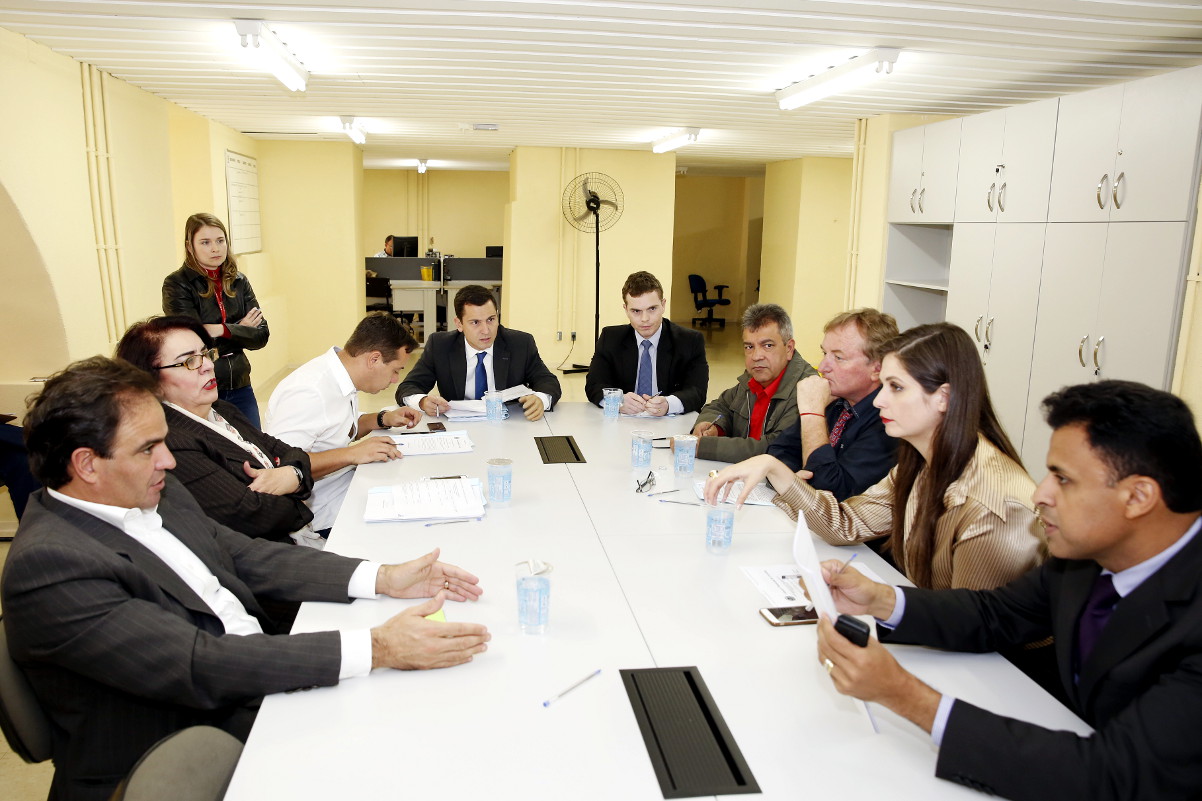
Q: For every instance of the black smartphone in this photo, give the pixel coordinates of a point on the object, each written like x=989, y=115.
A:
x=435, y=426
x=790, y=615
x=853, y=629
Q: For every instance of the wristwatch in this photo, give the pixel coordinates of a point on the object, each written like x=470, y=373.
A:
x=380, y=420
x=300, y=477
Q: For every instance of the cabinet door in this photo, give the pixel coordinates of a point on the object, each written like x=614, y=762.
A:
x=905, y=171
x=980, y=167
x=1157, y=151
x=1073, y=257
x=969, y=277
x=1009, y=327
x=1026, y=176
x=1139, y=310
x=1087, y=134
x=940, y=164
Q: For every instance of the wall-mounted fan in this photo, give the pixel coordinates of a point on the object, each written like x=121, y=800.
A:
x=592, y=203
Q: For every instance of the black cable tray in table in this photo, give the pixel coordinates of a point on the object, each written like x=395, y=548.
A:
x=559, y=450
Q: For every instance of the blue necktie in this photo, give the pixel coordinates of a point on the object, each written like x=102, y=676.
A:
x=643, y=385
x=481, y=376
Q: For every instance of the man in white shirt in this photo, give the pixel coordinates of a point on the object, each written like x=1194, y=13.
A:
x=134, y=615
x=316, y=409
x=387, y=251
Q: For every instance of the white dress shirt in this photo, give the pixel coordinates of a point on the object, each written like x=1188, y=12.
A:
x=469, y=386
x=675, y=406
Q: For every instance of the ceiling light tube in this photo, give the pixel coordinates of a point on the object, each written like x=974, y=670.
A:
x=350, y=127
x=685, y=136
x=844, y=78
x=270, y=54
x=421, y=166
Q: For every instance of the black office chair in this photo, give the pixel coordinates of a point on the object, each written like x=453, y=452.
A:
x=379, y=298
x=705, y=303
x=194, y=764
x=22, y=719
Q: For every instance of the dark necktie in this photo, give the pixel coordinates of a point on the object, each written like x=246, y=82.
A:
x=481, y=376
x=643, y=387
x=1095, y=616
x=840, y=424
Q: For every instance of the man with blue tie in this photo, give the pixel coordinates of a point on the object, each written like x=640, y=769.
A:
x=479, y=355
x=1122, y=595
x=659, y=366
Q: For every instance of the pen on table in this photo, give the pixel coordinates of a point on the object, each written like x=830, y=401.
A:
x=661, y=492
x=682, y=503
x=845, y=564
x=460, y=520
x=553, y=699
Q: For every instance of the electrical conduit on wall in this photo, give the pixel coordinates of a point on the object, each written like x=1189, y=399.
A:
x=100, y=186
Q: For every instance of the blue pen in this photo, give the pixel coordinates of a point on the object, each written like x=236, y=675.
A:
x=460, y=520
x=553, y=699
x=848, y=562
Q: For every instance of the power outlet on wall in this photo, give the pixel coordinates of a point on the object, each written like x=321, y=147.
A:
x=573, y=336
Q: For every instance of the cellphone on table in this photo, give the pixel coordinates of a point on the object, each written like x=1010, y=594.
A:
x=790, y=615
x=853, y=629
x=433, y=426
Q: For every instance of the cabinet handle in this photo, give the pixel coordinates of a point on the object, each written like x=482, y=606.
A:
x=1001, y=198
x=1097, y=366
x=913, y=194
x=989, y=195
x=922, y=194
x=976, y=329
x=989, y=333
x=1114, y=192
x=1101, y=202
x=1081, y=349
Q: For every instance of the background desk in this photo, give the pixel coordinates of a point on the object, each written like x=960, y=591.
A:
x=633, y=587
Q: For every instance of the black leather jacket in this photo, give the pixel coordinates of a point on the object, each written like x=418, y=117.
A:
x=181, y=295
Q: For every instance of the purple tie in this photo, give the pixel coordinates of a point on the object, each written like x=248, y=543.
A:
x=1095, y=616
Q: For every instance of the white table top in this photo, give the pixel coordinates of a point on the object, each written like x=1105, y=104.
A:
x=633, y=587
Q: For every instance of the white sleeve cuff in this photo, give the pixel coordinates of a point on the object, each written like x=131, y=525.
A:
x=674, y=405
x=363, y=581
x=414, y=401
x=356, y=653
x=546, y=399
x=941, y=715
x=899, y=609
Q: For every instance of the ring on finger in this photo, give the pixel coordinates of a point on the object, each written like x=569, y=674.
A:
x=828, y=664
x=446, y=584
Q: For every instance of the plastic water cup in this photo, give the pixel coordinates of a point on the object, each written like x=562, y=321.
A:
x=611, y=402
x=494, y=407
x=640, y=449
x=500, y=481
x=534, y=595
x=719, y=527
x=685, y=446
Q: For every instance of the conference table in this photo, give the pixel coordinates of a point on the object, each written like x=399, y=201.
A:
x=632, y=587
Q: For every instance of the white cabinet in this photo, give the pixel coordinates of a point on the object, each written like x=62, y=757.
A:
x=1006, y=164
x=1128, y=152
x=922, y=183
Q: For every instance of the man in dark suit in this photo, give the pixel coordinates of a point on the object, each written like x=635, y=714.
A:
x=134, y=615
x=478, y=356
x=1122, y=595
x=660, y=366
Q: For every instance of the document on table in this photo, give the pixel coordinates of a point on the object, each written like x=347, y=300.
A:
x=761, y=495
x=427, y=444
x=474, y=409
x=426, y=499
x=781, y=584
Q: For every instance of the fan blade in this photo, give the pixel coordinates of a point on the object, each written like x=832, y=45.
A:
x=584, y=187
x=609, y=203
x=583, y=216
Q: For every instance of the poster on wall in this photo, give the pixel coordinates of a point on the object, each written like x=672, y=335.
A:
x=242, y=199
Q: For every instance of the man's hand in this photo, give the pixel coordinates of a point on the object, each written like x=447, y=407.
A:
x=872, y=674
x=855, y=593
x=276, y=481
x=707, y=429
x=532, y=406
x=410, y=642
x=633, y=403
x=425, y=577
x=813, y=394
x=656, y=405
x=433, y=406
x=373, y=449
x=402, y=416
x=253, y=318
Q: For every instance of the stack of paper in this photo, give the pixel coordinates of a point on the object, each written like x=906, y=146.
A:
x=469, y=410
x=761, y=495
x=426, y=499
x=427, y=444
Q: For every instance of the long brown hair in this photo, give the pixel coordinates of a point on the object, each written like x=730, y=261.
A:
x=935, y=355
x=229, y=270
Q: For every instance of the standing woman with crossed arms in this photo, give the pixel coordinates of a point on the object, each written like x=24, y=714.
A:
x=209, y=288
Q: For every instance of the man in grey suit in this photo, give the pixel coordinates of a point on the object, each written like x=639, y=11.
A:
x=1122, y=594
x=134, y=615
x=478, y=356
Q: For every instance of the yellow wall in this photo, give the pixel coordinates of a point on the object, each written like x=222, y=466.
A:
x=806, y=223
x=463, y=212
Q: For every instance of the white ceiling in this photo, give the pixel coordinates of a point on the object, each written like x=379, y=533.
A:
x=608, y=73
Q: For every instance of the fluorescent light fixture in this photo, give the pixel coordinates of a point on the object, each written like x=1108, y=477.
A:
x=844, y=78
x=685, y=136
x=421, y=166
x=266, y=50
x=350, y=127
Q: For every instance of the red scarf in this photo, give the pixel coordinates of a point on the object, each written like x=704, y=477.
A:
x=763, y=399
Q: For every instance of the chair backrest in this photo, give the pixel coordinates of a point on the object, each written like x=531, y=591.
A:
x=194, y=764
x=22, y=719
x=697, y=285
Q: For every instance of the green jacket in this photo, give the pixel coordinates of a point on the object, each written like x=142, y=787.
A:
x=735, y=405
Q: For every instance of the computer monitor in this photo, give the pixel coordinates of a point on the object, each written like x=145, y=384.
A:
x=494, y=251
x=404, y=246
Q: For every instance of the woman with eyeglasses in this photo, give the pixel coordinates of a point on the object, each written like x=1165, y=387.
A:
x=242, y=477
x=209, y=288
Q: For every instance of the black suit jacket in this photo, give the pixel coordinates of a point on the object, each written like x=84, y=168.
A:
x=1141, y=688
x=680, y=365
x=121, y=652
x=515, y=361
x=210, y=466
